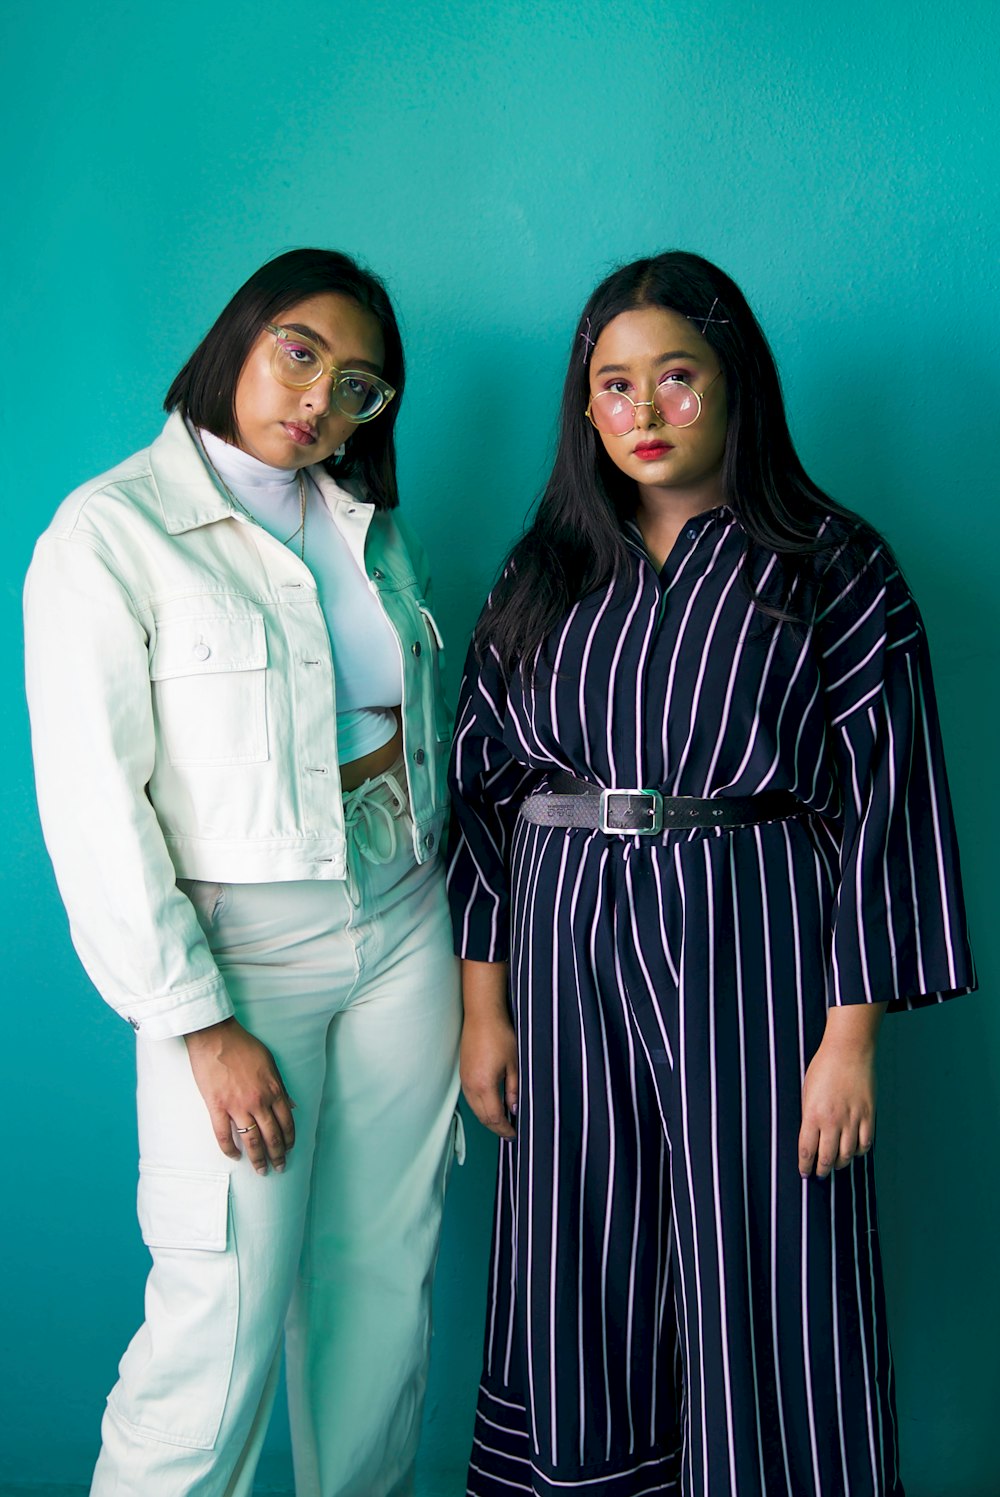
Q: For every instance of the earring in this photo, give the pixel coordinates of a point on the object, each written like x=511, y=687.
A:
x=341, y=450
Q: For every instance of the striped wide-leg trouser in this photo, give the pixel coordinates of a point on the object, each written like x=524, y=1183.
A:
x=672, y=1309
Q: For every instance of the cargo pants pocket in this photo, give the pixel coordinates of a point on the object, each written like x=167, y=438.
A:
x=175, y=1376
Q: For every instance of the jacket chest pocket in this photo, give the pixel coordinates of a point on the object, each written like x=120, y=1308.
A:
x=208, y=675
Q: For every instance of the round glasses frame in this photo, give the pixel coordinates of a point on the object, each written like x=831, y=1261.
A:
x=283, y=336
x=636, y=405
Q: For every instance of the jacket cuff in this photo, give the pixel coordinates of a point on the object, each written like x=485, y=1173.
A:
x=182, y=1016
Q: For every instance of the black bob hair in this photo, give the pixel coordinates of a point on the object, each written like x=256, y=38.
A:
x=574, y=543
x=205, y=389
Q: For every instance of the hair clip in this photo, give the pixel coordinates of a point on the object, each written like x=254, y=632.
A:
x=706, y=320
x=588, y=341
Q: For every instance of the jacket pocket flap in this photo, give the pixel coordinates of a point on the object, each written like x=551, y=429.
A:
x=183, y=1208
x=207, y=645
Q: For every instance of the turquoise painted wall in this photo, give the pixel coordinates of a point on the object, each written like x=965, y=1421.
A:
x=492, y=160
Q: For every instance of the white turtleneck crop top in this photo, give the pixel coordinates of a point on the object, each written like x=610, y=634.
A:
x=368, y=671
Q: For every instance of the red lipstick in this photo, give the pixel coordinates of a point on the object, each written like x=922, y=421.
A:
x=649, y=451
x=304, y=436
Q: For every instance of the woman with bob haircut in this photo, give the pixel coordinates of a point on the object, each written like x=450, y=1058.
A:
x=240, y=749
x=702, y=834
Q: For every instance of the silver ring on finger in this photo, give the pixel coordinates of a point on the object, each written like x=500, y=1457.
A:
x=248, y=1129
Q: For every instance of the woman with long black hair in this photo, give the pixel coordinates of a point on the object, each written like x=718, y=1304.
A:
x=702, y=833
x=240, y=748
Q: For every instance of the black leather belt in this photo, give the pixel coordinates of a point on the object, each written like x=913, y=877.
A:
x=573, y=802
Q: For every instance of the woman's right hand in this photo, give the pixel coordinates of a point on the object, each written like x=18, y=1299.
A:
x=488, y=1059
x=243, y=1089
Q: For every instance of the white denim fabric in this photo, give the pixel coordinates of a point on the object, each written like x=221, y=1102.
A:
x=353, y=986
x=183, y=711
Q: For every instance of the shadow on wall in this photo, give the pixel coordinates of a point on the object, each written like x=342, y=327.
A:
x=938, y=1069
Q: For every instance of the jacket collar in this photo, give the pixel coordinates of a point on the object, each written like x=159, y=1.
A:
x=335, y=494
x=187, y=492
x=189, y=495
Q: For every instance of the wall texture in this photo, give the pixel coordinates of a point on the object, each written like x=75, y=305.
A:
x=492, y=160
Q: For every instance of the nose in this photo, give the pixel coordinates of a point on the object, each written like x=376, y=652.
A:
x=646, y=415
x=319, y=397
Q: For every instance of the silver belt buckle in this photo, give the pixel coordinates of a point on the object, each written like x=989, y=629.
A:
x=652, y=808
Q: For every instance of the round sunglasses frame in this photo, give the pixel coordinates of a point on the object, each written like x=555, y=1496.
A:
x=637, y=404
x=283, y=336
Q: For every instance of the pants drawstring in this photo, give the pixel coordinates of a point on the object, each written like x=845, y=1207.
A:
x=370, y=816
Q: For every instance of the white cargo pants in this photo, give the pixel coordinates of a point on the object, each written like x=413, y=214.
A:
x=354, y=989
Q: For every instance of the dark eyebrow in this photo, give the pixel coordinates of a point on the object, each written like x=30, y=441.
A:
x=320, y=341
x=664, y=358
x=307, y=332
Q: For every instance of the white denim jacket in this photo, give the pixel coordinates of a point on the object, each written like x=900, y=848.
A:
x=183, y=714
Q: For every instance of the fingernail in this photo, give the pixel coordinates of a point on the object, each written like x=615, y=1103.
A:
x=513, y=1110
x=261, y=1169
x=280, y=1168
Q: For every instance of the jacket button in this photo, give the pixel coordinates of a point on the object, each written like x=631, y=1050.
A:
x=415, y=647
x=429, y=841
x=419, y=756
x=378, y=574
x=202, y=652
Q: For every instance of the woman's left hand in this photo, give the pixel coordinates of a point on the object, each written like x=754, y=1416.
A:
x=243, y=1091
x=838, y=1094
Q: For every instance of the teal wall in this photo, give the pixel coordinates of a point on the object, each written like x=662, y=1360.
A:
x=492, y=160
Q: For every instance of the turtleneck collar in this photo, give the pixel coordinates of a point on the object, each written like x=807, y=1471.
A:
x=242, y=472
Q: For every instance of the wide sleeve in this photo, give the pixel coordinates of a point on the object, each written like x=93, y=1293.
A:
x=94, y=745
x=899, y=923
x=487, y=787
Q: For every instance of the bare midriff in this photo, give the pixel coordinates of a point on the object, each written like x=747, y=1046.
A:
x=377, y=762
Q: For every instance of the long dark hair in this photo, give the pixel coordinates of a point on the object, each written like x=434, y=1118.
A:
x=205, y=389
x=575, y=544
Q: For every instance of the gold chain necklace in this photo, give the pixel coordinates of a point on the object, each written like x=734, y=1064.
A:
x=300, y=529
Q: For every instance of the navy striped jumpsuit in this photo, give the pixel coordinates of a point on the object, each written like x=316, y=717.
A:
x=672, y=1309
